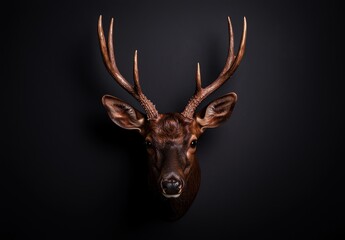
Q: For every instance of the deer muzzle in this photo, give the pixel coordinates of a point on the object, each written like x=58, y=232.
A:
x=171, y=186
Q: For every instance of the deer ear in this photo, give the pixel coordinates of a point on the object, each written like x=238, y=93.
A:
x=217, y=111
x=123, y=114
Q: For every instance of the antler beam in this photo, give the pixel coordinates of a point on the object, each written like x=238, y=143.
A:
x=232, y=62
x=110, y=63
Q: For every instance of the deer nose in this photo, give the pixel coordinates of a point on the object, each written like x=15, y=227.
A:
x=172, y=187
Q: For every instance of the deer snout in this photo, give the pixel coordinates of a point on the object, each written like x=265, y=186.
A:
x=171, y=187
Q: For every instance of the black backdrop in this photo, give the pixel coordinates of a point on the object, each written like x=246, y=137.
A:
x=270, y=172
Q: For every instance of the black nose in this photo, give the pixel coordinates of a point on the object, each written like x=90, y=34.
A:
x=171, y=186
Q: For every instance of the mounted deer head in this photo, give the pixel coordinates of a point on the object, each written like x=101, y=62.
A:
x=171, y=138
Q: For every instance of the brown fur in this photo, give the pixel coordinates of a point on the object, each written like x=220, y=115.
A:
x=170, y=151
x=171, y=135
x=169, y=126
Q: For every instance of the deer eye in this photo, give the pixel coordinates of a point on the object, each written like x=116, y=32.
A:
x=148, y=144
x=193, y=143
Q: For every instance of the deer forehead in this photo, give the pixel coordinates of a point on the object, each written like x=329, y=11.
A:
x=172, y=127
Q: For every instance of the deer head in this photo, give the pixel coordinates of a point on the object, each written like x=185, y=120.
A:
x=171, y=138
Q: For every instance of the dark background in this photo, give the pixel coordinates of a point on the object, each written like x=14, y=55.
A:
x=272, y=171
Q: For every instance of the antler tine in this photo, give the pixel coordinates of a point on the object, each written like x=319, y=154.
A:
x=110, y=63
x=136, y=72
x=198, y=78
x=108, y=55
x=231, y=55
x=232, y=63
x=241, y=49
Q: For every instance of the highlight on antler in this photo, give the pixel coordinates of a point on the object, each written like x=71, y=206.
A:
x=232, y=62
x=110, y=63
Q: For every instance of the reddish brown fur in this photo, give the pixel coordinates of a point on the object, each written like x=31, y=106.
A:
x=173, y=132
x=169, y=126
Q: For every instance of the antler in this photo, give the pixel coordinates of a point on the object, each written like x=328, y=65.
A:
x=232, y=62
x=110, y=63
